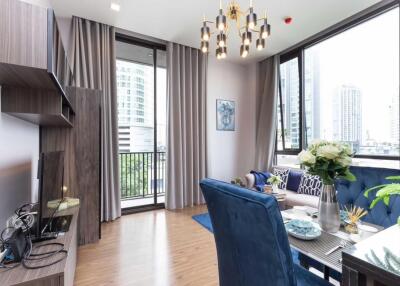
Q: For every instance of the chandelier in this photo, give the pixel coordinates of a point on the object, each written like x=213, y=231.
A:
x=245, y=30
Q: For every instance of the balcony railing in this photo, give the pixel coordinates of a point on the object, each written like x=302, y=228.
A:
x=137, y=174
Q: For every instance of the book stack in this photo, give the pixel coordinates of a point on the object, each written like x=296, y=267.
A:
x=279, y=196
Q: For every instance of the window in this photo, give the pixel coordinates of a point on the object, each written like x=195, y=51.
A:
x=347, y=90
x=289, y=99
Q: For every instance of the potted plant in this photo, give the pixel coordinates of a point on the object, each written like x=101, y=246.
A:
x=329, y=161
x=238, y=182
x=274, y=180
x=385, y=192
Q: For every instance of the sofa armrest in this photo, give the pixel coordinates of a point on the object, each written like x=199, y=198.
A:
x=250, y=180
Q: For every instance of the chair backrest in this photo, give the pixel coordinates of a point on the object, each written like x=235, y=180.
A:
x=252, y=243
x=352, y=193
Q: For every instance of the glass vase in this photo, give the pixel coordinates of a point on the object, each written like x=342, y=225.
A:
x=328, y=209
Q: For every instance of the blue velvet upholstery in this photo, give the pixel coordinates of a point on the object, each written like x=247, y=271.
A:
x=294, y=179
x=252, y=244
x=352, y=193
x=205, y=221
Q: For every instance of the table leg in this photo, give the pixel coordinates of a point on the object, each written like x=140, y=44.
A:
x=326, y=273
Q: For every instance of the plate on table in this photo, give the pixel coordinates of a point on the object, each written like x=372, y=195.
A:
x=303, y=229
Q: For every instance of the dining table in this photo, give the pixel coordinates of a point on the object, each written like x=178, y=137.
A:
x=320, y=248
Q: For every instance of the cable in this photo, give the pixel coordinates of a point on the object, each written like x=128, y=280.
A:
x=23, y=213
x=65, y=254
x=47, y=254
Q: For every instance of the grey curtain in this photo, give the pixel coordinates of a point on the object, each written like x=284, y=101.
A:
x=267, y=99
x=94, y=66
x=186, y=131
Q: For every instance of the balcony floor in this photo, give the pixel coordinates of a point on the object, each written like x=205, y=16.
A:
x=130, y=203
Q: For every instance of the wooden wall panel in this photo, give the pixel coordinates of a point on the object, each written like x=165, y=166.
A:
x=87, y=152
x=62, y=139
x=43, y=107
x=82, y=158
x=23, y=34
x=28, y=100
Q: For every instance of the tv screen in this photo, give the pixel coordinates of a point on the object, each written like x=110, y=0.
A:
x=51, y=174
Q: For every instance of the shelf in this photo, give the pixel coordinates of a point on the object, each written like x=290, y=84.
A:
x=33, y=55
x=48, y=120
x=42, y=107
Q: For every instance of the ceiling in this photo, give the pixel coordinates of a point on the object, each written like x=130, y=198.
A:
x=180, y=20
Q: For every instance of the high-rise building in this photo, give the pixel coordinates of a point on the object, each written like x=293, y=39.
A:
x=312, y=95
x=135, y=106
x=395, y=119
x=289, y=76
x=347, y=115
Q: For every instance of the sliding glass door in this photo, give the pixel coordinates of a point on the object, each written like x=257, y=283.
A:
x=141, y=90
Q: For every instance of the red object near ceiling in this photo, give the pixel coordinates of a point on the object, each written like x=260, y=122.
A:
x=288, y=20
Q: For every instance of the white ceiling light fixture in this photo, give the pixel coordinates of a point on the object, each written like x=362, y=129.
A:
x=244, y=30
x=115, y=6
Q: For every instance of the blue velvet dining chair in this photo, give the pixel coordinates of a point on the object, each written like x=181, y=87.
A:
x=251, y=240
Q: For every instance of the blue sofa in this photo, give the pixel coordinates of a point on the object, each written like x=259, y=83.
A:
x=352, y=193
x=293, y=182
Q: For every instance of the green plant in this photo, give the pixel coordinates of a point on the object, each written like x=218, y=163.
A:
x=385, y=192
x=274, y=180
x=328, y=160
x=238, y=182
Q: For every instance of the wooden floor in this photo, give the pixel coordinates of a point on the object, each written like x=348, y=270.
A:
x=150, y=248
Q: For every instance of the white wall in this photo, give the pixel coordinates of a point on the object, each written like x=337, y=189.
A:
x=19, y=154
x=42, y=3
x=231, y=153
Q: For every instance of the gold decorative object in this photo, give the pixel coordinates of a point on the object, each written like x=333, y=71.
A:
x=246, y=24
x=351, y=228
x=354, y=214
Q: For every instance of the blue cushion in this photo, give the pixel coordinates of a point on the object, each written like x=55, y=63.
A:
x=260, y=179
x=352, y=193
x=310, y=185
x=294, y=179
x=251, y=240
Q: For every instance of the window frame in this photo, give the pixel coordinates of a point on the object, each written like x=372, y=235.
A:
x=155, y=47
x=298, y=51
x=283, y=59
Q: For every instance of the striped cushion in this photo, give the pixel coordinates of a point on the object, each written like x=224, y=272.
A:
x=310, y=185
x=283, y=174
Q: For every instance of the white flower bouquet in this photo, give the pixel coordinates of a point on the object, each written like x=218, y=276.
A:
x=328, y=160
x=274, y=180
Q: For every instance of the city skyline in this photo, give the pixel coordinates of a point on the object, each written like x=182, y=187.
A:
x=347, y=116
x=135, y=89
x=375, y=130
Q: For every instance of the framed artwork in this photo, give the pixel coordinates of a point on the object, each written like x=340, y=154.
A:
x=225, y=115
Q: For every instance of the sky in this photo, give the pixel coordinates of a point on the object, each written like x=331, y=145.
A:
x=367, y=57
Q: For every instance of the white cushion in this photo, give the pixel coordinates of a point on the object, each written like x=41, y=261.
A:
x=295, y=199
x=250, y=180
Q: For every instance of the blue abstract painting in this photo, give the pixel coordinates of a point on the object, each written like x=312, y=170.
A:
x=225, y=115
